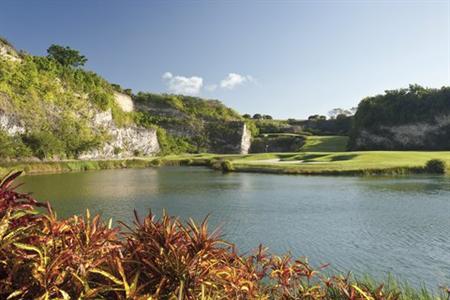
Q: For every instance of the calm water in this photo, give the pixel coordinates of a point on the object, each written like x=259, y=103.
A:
x=369, y=225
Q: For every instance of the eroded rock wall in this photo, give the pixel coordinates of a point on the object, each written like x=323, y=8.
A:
x=413, y=136
x=124, y=142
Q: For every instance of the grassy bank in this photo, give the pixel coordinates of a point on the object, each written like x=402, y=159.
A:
x=41, y=167
x=306, y=163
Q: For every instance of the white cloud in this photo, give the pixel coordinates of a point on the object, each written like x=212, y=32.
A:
x=167, y=75
x=183, y=85
x=233, y=80
x=193, y=85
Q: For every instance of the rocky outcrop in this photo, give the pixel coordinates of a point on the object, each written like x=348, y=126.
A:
x=413, y=136
x=124, y=101
x=10, y=124
x=8, y=52
x=123, y=142
x=246, y=140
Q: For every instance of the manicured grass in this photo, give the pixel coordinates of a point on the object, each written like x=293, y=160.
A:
x=325, y=144
x=367, y=162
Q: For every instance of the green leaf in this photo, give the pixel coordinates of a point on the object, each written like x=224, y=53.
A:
x=31, y=248
x=14, y=294
x=107, y=275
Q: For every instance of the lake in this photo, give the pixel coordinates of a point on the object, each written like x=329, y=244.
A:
x=376, y=225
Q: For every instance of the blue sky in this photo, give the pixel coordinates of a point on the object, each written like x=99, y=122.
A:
x=283, y=58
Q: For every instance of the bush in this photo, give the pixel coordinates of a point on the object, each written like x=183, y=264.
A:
x=12, y=147
x=227, y=166
x=44, y=144
x=436, y=166
x=156, y=162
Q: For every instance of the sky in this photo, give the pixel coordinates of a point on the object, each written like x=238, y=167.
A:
x=288, y=59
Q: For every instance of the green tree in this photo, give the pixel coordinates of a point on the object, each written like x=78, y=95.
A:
x=66, y=56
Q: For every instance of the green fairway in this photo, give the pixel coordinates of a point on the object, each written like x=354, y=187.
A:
x=367, y=162
x=325, y=144
x=361, y=162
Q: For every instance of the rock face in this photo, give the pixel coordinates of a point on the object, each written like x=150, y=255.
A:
x=124, y=142
x=246, y=140
x=413, y=136
x=10, y=124
x=124, y=101
x=8, y=52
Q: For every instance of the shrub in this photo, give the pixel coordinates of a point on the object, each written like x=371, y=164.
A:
x=215, y=164
x=138, y=153
x=117, y=150
x=435, y=166
x=44, y=144
x=156, y=162
x=12, y=147
x=227, y=166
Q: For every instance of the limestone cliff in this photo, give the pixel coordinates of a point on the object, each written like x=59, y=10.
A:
x=123, y=142
x=412, y=136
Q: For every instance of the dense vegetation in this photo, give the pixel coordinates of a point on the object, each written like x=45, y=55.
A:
x=412, y=105
x=44, y=257
x=54, y=102
x=190, y=124
x=66, y=56
x=403, y=106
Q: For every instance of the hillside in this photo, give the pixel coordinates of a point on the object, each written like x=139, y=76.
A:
x=49, y=110
x=414, y=118
x=193, y=124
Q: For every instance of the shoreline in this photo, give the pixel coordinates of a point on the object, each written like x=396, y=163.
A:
x=308, y=163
